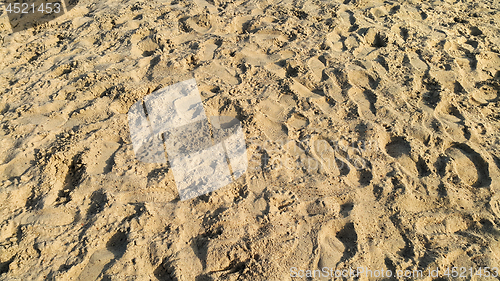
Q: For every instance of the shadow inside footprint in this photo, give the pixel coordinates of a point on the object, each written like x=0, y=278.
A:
x=117, y=244
x=398, y=147
x=349, y=238
x=433, y=95
x=164, y=272
x=101, y=260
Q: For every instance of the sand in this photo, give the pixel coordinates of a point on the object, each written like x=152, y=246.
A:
x=372, y=133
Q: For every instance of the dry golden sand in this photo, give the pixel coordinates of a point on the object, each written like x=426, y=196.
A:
x=403, y=97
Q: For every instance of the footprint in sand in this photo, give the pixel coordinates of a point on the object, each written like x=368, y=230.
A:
x=297, y=122
x=322, y=151
x=365, y=101
x=489, y=91
x=65, y=216
x=317, y=68
x=400, y=149
x=495, y=205
x=440, y=224
x=331, y=249
x=470, y=167
x=273, y=110
x=274, y=131
x=297, y=158
x=207, y=50
x=100, y=259
x=184, y=265
x=201, y=23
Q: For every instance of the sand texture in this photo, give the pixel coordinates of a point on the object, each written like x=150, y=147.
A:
x=372, y=134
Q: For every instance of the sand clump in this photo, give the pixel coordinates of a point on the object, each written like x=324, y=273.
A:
x=372, y=130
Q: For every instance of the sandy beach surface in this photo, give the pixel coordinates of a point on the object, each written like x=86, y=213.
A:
x=371, y=128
